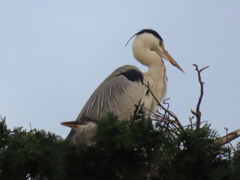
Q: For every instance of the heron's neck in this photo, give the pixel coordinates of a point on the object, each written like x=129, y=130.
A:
x=156, y=70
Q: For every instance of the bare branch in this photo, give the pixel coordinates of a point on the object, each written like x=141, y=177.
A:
x=197, y=113
x=228, y=138
x=190, y=120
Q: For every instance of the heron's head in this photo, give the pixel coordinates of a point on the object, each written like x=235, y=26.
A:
x=152, y=42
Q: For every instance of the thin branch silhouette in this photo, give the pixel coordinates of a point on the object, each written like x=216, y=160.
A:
x=197, y=112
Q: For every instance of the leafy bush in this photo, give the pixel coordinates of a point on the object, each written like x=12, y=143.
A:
x=123, y=150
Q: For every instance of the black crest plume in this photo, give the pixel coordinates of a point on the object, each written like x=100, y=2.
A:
x=150, y=31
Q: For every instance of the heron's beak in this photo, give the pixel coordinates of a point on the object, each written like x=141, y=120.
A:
x=164, y=54
x=71, y=124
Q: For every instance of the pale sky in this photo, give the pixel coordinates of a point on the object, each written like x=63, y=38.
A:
x=53, y=54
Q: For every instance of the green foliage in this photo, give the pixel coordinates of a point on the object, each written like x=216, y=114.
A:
x=30, y=154
x=199, y=156
x=123, y=150
x=236, y=163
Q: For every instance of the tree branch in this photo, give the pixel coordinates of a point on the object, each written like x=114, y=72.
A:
x=197, y=112
x=228, y=138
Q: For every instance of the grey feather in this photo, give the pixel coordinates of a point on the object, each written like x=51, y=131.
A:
x=116, y=94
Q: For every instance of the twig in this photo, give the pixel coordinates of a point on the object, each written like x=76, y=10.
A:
x=228, y=139
x=190, y=120
x=166, y=110
x=197, y=113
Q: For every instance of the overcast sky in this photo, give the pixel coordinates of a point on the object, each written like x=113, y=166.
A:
x=53, y=54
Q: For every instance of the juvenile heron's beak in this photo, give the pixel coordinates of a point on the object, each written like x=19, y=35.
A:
x=164, y=54
x=71, y=124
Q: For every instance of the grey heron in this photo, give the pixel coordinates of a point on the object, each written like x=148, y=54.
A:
x=126, y=87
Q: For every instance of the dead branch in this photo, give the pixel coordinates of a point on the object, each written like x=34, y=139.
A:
x=190, y=120
x=228, y=138
x=197, y=112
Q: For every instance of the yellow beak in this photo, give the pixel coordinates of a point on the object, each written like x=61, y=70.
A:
x=164, y=54
x=71, y=124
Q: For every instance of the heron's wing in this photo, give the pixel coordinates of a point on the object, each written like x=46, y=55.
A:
x=118, y=93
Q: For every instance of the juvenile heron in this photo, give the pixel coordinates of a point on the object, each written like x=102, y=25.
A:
x=125, y=89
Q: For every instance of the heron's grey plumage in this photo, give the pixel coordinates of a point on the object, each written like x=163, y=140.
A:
x=108, y=97
x=126, y=87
